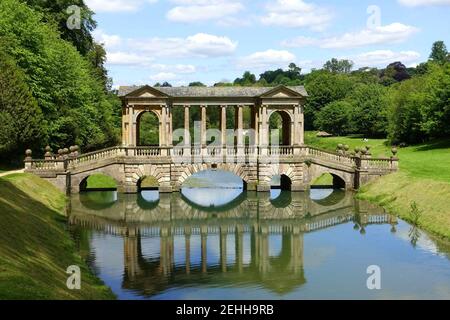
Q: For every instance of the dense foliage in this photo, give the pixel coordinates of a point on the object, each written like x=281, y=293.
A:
x=68, y=84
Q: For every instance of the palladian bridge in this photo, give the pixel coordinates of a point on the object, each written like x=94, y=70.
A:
x=251, y=149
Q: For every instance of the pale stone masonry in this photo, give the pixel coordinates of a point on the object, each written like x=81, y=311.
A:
x=256, y=163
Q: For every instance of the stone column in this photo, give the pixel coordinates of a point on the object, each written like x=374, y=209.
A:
x=301, y=138
x=131, y=141
x=223, y=124
x=240, y=126
x=124, y=126
x=187, y=138
x=169, y=126
x=203, y=126
x=163, y=126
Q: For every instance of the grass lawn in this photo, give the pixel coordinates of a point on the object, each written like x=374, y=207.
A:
x=424, y=178
x=35, y=247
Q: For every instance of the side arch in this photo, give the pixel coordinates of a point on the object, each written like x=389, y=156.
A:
x=113, y=171
x=341, y=179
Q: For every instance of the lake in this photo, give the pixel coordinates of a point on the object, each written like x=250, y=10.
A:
x=225, y=243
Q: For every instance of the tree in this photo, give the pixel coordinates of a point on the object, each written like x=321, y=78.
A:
x=97, y=57
x=247, y=79
x=439, y=52
x=394, y=72
x=196, y=84
x=323, y=88
x=22, y=124
x=56, y=12
x=404, y=115
x=335, y=118
x=63, y=82
x=338, y=66
x=369, y=111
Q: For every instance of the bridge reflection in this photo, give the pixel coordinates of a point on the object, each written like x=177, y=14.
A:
x=257, y=240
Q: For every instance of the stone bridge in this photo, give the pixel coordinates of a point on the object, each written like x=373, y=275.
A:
x=267, y=140
x=298, y=167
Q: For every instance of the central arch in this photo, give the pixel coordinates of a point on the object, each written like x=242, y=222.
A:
x=238, y=169
x=280, y=120
x=148, y=131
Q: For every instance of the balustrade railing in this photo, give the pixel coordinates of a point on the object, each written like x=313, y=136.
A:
x=305, y=152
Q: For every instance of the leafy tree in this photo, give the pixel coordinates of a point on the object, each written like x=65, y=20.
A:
x=335, y=118
x=439, y=52
x=405, y=116
x=197, y=84
x=247, y=79
x=394, y=72
x=63, y=82
x=338, y=66
x=323, y=88
x=56, y=12
x=369, y=112
x=97, y=57
x=22, y=123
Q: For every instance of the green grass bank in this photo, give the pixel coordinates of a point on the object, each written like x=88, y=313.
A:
x=423, y=178
x=35, y=246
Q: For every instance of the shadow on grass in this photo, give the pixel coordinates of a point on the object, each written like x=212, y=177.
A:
x=439, y=144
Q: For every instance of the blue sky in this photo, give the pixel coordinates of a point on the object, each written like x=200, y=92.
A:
x=181, y=41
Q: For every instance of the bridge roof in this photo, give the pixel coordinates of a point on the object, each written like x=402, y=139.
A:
x=226, y=92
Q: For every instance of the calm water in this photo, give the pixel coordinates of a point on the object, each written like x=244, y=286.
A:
x=217, y=243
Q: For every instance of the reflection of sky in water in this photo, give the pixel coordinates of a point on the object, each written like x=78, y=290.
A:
x=274, y=193
x=319, y=194
x=211, y=197
x=150, y=195
x=219, y=178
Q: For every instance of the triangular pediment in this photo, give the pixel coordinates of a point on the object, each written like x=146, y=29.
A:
x=281, y=92
x=147, y=92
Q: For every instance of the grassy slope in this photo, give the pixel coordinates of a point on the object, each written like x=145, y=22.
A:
x=424, y=177
x=35, y=248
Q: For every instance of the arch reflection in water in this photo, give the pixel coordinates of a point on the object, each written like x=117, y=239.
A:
x=212, y=188
x=250, y=242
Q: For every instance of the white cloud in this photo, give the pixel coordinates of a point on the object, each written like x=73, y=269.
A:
x=199, y=45
x=297, y=14
x=264, y=59
x=193, y=11
x=178, y=68
x=128, y=59
x=418, y=3
x=164, y=76
x=392, y=33
x=109, y=41
x=381, y=58
x=116, y=5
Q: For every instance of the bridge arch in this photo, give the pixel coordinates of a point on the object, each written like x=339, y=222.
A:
x=237, y=169
x=78, y=181
x=341, y=178
x=283, y=122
